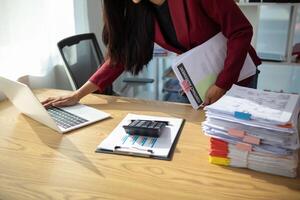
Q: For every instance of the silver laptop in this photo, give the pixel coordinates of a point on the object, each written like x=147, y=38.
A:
x=62, y=119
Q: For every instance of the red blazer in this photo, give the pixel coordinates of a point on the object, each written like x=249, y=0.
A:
x=196, y=21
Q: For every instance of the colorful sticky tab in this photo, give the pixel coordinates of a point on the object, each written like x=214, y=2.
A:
x=218, y=153
x=219, y=148
x=185, y=86
x=236, y=133
x=242, y=115
x=218, y=160
x=251, y=139
x=243, y=146
x=286, y=125
x=218, y=144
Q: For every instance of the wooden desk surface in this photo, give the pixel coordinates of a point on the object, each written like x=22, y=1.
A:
x=38, y=163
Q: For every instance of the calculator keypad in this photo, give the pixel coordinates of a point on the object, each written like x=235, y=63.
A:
x=145, y=128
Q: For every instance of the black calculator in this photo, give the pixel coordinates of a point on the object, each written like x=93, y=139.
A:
x=145, y=127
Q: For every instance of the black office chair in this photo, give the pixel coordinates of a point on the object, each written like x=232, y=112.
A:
x=82, y=57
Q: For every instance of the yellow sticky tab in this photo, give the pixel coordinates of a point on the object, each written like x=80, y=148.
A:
x=219, y=160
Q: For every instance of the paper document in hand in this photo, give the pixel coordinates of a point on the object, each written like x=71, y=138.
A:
x=120, y=142
x=202, y=65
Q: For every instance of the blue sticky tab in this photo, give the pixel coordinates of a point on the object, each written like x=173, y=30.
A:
x=242, y=115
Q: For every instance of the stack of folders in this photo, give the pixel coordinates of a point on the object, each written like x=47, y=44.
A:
x=254, y=129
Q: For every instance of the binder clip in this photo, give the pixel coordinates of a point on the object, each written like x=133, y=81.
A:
x=134, y=151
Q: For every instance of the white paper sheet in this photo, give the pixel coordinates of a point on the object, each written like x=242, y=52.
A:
x=267, y=107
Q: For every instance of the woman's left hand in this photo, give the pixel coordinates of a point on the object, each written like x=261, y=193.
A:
x=213, y=94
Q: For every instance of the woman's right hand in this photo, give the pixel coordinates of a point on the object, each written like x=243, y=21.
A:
x=71, y=99
x=67, y=100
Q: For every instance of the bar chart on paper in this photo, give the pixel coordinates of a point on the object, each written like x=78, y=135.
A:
x=120, y=142
x=148, y=142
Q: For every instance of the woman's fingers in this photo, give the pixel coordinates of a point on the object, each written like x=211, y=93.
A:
x=213, y=94
x=67, y=100
x=64, y=102
x=206, y=102
x=47, y=100
x=50, y=103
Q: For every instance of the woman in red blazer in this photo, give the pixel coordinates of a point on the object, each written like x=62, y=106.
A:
x=132, y=26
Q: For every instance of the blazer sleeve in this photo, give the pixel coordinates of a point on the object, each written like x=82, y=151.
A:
x=106, y=75
x=238, y=30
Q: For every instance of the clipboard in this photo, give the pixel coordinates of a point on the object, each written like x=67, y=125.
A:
x=162, y=148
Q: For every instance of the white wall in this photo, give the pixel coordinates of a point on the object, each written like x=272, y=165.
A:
x=81, y=16
x=95, y=18
x=252, y=14
x=56, y=78
x=88, y=18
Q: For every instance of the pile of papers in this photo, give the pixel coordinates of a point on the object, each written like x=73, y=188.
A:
x=254, y=129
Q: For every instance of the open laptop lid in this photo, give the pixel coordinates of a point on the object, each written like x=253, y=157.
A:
x=25, y=101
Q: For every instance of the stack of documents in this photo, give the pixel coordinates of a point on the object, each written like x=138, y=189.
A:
x=254, y=129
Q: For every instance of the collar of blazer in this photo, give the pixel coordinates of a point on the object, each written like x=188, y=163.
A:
x=179, y=19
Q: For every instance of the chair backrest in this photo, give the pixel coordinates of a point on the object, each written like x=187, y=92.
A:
x=82, y=57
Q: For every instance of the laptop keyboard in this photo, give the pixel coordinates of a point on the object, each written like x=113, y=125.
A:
x=64, y=118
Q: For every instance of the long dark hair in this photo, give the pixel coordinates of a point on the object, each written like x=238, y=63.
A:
x=128, y=33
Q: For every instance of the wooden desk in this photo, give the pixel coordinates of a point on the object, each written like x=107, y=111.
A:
x=38, y=163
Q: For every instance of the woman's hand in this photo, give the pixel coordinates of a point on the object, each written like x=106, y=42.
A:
x=213, y=94
x=68, y=100
x=71, y=99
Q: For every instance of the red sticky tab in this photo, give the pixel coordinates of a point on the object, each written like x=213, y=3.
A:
x=251, y=139
x=236, y=133
x=289, y=125
x=218, y=144
x=185, y=86
x=219, y=147
x=218, y=153
x=243, y=146
x=218, y=141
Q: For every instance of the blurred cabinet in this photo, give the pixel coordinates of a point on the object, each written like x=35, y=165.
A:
x=276, y=29
x=277, y=41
